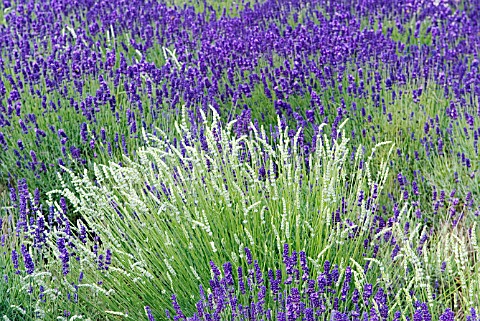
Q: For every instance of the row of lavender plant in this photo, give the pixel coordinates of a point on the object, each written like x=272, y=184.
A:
x=297, y=296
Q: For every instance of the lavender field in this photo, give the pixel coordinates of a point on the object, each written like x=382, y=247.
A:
x=240, y=160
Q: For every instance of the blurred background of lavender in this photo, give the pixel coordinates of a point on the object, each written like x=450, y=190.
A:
x=81, y=80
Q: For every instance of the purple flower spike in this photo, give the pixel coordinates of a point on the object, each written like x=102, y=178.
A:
x=27, y=259
x=15, y=259
x=241, y=283
x=249, y=256
x=473, y=315
x=227, y=271
x=148, y=311
x=178, y=310
x=426, y=314
x=83, y=132
x=367, y=291
x=258, y=273
x=64, y=255
x=448, y=315
x=303, y=263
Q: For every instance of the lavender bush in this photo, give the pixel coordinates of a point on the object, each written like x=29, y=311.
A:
x=208, y=198
x=337, y=294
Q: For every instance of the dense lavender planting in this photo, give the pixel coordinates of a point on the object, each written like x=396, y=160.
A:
x=222, y=126
x=296, y=296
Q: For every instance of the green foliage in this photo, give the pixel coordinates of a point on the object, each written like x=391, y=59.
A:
x=167, y=215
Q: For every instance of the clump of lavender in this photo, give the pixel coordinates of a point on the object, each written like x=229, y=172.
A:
x=285, y=295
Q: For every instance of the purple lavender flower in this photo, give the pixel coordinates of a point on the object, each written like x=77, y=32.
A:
x=415, y=188
x=227, y=271
x=178, y=310
x=258, y=273
x=3, y=142
x=149, y=313
x=426, y=314
x=15, y=260
x=448, y=315
x=346, y=283
x=23, y=126
x=249, y=256
x=401, y=179
x=293, y=304
x=27, y=260
x=108, y=258
x=335, y=274
x=452, y=111
x=473, y=315
x=64, y=255
x=262, y=173
x=83, y=234
x=303, y=264
x=361, y=196
x=13, y=195
x=395, y=252
x=34, y=160
x=100, y=262
x=367, y=292
x=309, y=314
x=40, y=232
x=241, y=283
x=355, y=296
x=83, y=132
